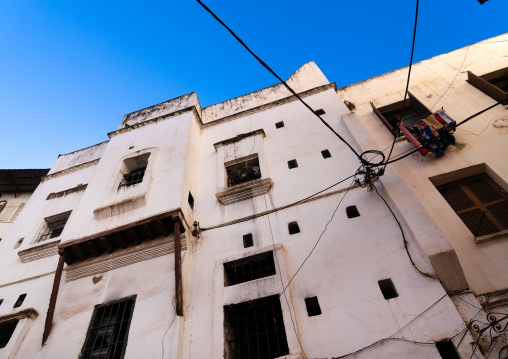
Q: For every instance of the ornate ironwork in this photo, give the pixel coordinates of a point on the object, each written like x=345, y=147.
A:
x=243, y=172
x=490, y=333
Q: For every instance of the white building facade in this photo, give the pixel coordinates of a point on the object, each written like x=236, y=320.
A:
x=238, y=231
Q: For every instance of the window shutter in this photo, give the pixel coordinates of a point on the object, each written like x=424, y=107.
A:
x=421, y=110
x=15, y=215
x=9, y=212
x=382, y=118
x=486, y=87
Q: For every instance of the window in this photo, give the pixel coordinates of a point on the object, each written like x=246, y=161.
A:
x=108, y=331
x=243, y=172
x=255, y=329
x=414, y=112
x=1, y=301
x=352, y=212
x=292, y=164
x=320, y=112
x=9, y=211
x=190, y=199
x=279, y=124
x=293, y=228
x=479, y=202
x=313, y=307
x=248, y=241
x=133, y=170
x=494, y=84
x=2, y=205
x=54, y=226
x=20, y=301
x=388, y=289
x=250, y=268
x=447, y=349
x=326, y=154
x=6, y=331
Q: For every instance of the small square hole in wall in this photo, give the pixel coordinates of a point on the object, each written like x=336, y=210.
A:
x=320, y=112
x=326, y=154
x=191, y=201
x=388, y=289
x=18, y=243
x=292, y=164
x=20, y=301
x=352, y=212
x=447, y=349
x=1, y=301
x=312, y=305
x=279, y=124
x=248, y=241
x=293, y=228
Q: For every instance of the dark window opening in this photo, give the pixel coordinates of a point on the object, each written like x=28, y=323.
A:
x=133, y=177
x=54, y=226
x=493, y=84
x=2, y=205
x=326, y=154
x=6, y=331
x=108, y=331
x=18, y=243
x=352, y=212
x=320, y=112
x=249, y=268
x=248, y=241
x=20, y=301
x=255, y=329
x=447, y=349
x=243, y=172
x=279, y=124
x=1, y=301
x=190, y=199
x=292, y=164
x=313, y=307
x=293, y=228
x=388, y=289
x=479, y=202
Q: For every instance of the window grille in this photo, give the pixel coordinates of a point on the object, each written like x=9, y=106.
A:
x=108, y=331
x=133, y=177
x=6, y=331
x=243, y=172
x=479, y=202
x=255, y=330
x=250, y=268
x=54, y=227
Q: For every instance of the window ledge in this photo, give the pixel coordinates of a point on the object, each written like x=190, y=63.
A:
x=41, y=250
x=243, y=191
x=490, y=237
x=29, y=313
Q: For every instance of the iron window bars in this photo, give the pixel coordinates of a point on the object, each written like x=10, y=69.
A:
x=108, y=331
x=133, y=177
x=243, y=172
x=6, y=331
x=54, y=228
x=255, y=329
x=249, y=268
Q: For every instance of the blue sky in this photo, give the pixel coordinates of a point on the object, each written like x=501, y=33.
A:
x=70, y=70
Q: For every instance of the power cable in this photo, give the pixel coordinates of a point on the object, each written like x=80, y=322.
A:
x=277, y=76
x=397, y=129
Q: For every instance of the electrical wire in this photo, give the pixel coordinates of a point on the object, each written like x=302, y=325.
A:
x=277, y=76
x=397, y=129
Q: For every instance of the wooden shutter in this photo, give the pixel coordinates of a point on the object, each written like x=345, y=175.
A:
x=486, y=87
x=479, y=202
x=383, y=119
x=8, y=212
x=421, y=110
x=15, y=215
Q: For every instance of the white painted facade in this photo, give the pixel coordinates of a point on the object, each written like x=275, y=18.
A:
x=185, y=148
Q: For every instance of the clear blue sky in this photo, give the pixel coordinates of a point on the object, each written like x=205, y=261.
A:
x=70, y=70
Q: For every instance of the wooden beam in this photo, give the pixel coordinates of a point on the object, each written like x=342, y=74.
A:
x=121, y=240
x=79, y=252
x=52, y=299
x=162, y=228
x=134, y=234
x=106, y=245
x=92, y=248
x=148, y=231
x=178, y=266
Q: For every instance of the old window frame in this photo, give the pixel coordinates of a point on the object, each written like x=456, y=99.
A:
x=87, y=350
x=476, y=203
x=249, y=268
x=484, y=83
x=53, y=227
x=412, y=104
x=242, y=170
x=265, y=316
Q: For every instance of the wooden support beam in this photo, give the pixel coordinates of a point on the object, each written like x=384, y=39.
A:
x=178, y=267
x=52, y=299
x=92, y=248
x=134, y=234
x=148, y=231
x=121, y=240
x=106, y=245
x=162, y=228
x=79, y=252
